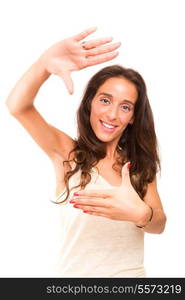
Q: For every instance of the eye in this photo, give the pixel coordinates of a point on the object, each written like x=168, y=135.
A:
x=104, y=100
x=126, y=108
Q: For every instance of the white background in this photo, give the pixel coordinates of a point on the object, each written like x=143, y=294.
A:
x=152, y=36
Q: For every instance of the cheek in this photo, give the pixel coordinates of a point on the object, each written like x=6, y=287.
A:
x=96, y=112
x=125, y=119
x=93, y=116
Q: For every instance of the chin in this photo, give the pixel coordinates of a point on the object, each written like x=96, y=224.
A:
x=105, y=139
x=104, y=136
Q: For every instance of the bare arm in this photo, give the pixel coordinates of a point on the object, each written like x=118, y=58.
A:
x=61, y=59
x=123, y=203
x=157, y=224
x=20, y=105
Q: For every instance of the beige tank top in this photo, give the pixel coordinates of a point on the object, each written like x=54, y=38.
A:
x=95, y=246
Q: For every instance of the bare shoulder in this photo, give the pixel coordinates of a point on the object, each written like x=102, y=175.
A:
x=53, y=141
x=65, y=143
x=60, y=154
x=48, y=138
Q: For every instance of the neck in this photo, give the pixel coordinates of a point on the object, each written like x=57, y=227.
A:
x=111, y=152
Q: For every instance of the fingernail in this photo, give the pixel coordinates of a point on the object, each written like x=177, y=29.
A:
x=76, y=194
x=129, y=165
x=72, y=201
x=85, y=211
x=76, y=206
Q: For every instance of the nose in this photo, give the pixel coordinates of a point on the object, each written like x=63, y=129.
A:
x=112, y=113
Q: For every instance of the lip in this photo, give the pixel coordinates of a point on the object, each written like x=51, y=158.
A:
x=109, y=123
x=106, y=129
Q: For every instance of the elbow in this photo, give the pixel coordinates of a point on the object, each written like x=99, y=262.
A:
x=11, y=110
x=14, y=110
x=162, y=224
x=7, y=106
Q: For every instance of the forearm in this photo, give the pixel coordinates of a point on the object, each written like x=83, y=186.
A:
x=157, y=223
x=23, y=94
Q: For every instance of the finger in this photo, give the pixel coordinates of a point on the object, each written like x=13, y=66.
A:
x=96, y=209
x=96, y=214
x=102, y=50
x=99, y=202
x=98, y=59
x=98, y=42
x=86, y=200
x=125, y=174
x=80, y=36
x=94, y=193
x=67, y=81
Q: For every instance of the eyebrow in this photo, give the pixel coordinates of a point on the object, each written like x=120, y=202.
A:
x=109, y=95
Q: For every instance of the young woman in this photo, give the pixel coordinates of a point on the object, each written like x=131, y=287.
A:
x=106, y=186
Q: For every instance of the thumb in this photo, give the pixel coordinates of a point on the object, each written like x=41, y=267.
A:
x=125, y=174
x=67, y=81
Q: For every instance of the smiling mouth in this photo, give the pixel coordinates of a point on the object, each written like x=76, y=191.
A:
x=108, y=126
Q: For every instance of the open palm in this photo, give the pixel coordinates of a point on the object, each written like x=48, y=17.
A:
x=73, y=54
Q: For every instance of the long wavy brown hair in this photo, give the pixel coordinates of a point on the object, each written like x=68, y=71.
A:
x=138, y=143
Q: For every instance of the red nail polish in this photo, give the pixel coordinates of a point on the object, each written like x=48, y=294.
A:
x=72, y=201
x=129, y=165
x=85, y=211
x=76, y=206
x=76, y=194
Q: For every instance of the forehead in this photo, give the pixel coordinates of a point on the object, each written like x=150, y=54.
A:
x=120, y=88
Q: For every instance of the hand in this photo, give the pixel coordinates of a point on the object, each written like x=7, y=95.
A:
x=122, y=203
x=72, y=54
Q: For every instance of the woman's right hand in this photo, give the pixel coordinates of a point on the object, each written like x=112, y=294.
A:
x=73, y=54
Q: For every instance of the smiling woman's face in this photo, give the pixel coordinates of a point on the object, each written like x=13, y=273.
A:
x=112, y=108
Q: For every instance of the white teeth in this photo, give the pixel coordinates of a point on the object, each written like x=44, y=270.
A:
x=108, y=126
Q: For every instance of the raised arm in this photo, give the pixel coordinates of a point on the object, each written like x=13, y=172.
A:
x=61, y=59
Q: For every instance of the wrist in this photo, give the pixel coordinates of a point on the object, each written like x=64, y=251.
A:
x=40, y=66
x=146, y=218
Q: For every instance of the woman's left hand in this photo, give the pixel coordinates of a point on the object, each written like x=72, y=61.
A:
x=122, y=203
